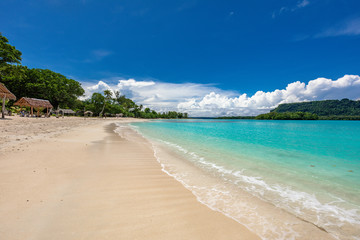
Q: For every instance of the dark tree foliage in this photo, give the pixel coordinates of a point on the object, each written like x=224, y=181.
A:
x=344, y=107
x=97, y=102
x=339, y=117
x=237, y=117
x=43, y=84
x=8, y=54
x=287, y=116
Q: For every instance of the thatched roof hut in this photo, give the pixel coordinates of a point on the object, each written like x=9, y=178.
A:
x=34, y=103
x=66, y=111
x=88, y=113
x=5, y=94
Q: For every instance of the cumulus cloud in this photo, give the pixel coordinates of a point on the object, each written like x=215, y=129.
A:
x=100, y=87
x=201, y=100
x=214, y=104
x=160, y=96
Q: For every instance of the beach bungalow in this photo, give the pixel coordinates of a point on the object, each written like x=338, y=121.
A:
x=88, y=114
x=65, y=112
x=5, y=94
x=35, y=103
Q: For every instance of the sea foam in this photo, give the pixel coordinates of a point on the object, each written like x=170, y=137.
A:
x=253, y=201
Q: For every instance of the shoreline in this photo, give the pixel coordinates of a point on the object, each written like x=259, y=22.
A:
x=210, y=189
x=91, y=183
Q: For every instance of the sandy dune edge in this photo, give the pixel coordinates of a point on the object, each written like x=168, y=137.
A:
x=90, y=183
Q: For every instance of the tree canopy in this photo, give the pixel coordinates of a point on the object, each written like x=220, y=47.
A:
x=36, y=83
x=8, y=54
x=43, y=84
x=344, y=107
x=287, y=116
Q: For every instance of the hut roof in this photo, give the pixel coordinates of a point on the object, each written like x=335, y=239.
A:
x=4, y=92
x=67, y=111
x=33, y=102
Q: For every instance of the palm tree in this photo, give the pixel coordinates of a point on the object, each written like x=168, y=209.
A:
x=108, y=96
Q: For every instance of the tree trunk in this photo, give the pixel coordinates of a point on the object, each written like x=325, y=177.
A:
x=3, y=108
x=101, y=113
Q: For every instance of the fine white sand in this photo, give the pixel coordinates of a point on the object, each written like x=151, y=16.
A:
x=76, y=179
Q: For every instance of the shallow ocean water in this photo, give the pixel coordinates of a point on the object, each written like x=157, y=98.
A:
x=301, y=171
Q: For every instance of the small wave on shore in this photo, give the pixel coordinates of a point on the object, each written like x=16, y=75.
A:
x=272, y=210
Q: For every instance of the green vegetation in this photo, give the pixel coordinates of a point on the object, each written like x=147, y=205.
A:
x=344, y=107
x=237, y=117
x=339, y=117
x=63, y=92
x=42, y=83
x=35, y=83
x=8, y=54
x=112, y=104
x=287, y=116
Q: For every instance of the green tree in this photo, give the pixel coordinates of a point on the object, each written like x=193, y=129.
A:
x=344, y=107
x=108, y=97
x=96, y=103
x=43, y=84
x=8, y=54
x=287, y=116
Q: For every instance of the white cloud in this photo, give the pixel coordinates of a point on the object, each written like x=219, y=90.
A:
x=347, y=28
x=300, y=4
x=214, y=104
x=207, y=100
x=100, y=87
x=133, y=83
x=160, y=96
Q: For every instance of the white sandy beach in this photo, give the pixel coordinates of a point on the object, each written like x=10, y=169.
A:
x=76, y=179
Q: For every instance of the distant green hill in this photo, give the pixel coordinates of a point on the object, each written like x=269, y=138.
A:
x=287, y=116
x=344, y=107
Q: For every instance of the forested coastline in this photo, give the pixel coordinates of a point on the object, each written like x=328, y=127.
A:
x=344, y=109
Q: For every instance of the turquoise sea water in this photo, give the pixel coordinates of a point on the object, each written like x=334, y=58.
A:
x=306, y=169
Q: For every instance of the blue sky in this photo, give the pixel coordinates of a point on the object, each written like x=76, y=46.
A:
x=226, y=47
